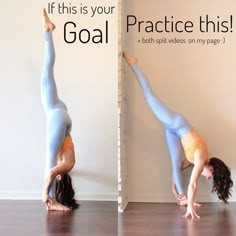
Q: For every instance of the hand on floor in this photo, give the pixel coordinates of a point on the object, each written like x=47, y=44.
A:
x=191, y=213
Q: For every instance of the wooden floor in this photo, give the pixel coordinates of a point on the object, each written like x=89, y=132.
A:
x=147, y=219
x=30, y=218
x=101, y=219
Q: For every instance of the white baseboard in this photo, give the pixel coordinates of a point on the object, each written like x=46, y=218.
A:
x=170, y=199
x=38, y=196
x=150, y=198
x=97, y=197
x=20, y=196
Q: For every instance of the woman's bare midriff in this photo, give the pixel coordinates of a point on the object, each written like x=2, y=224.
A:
x=67, y=157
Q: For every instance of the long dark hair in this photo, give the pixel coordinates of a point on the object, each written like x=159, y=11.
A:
x=222, y=182
x=65, y=192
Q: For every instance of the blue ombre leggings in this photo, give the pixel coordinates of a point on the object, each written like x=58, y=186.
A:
x=175, y=124
x=58, y=120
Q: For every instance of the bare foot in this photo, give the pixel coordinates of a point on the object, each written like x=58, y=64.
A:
x=182, y=200
x=47, y=24
x=53, y=205
x=129, y=59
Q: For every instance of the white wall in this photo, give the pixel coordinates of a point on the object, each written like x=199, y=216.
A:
x=198, y=81
x=86, y=76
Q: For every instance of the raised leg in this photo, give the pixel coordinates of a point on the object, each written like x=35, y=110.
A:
x=49, y=92
x=172, y=121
